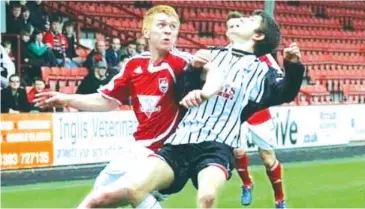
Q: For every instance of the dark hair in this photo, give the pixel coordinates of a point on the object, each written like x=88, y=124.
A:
x=16, y=5
x=233, y=15
x=37, y=79
x=25, y=8
x=271, y=30
x=69, y=23
x=14, y=75
x=35, y=33
x=56, y=19
x=133, y=42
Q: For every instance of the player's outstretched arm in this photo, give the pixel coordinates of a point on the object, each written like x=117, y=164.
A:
x=88, y=102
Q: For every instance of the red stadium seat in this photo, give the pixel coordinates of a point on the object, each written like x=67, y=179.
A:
x=45, y=71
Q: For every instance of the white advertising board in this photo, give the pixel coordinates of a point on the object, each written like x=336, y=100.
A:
x=308, y=126
x=356, y=122
x=91, y=137
x=81, y=138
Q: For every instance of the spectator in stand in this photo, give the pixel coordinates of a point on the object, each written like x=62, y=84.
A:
x=57, y=41
x=14, y=98
x=7, y=67
x=39, y=16
x=140, y=45
x=24, y=45
x=41, y=53
x=99, y=48
x=38, y=87
x=14, y=22
x=95, y=79
x=130, y=50
x=71, y=55
x=47, y=25
x=113, y=55
x=123, y=59
x=26, y=23
x=9, y=49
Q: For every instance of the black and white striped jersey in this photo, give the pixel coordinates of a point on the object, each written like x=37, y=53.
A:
x=218, y=118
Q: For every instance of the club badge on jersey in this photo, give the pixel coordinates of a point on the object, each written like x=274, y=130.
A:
x=163, y=84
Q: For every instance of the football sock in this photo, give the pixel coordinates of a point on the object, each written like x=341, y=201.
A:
x=149, y=202
x=274, y=174
x=242, y=170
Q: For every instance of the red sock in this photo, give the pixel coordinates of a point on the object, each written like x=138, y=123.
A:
x=274, y=174
x=242, y=170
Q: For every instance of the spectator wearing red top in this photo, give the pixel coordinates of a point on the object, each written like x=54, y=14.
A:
x=57, y=41
x=38, y=87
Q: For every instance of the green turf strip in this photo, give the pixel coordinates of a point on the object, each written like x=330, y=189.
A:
x=338, y=183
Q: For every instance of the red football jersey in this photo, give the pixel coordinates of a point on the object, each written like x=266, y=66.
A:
x=152, y=88
x=264, y=115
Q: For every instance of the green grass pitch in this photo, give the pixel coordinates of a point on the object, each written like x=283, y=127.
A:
x=338, y=183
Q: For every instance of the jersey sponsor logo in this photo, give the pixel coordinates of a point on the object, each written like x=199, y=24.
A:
x=227, y=91
x=138, y=70
x=163, y=84
x=149, y=104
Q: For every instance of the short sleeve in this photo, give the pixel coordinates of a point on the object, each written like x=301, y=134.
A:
x=119, y=87
x=182, y=62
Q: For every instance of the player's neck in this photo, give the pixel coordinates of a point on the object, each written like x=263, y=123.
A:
x=243, y=45
x=157, y=55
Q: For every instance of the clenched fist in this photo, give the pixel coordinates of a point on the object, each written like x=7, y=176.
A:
x=201, y=58
x=194, y=99
x=292, y=53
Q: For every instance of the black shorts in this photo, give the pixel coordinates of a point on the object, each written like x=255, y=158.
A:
x=187, y=160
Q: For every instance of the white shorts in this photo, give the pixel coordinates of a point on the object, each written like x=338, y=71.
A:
x=133, y=155
x=262, y=135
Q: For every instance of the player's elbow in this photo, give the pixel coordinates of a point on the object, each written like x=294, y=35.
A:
x=123, y=196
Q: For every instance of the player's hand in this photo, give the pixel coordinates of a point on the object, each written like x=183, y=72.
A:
x=51, y=99
x=201, y=58
x=292, y=53
x=193, y=99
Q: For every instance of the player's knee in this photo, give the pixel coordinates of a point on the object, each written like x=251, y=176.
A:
x=106, y=198
x=98, y=199
x=268, y=157
x=206, y=200
x=239, y=153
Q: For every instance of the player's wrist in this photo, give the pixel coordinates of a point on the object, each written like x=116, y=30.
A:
x=67, y=100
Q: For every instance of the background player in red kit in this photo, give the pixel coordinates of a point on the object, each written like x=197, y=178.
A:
x=150, y=79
